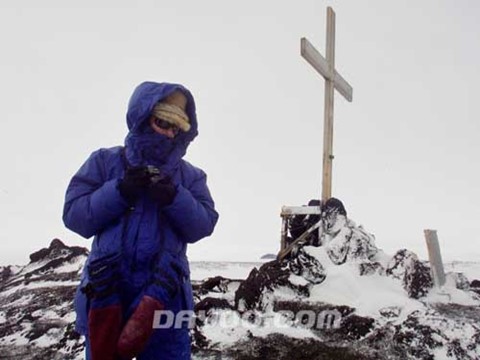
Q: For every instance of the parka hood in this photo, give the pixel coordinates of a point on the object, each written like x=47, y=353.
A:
x=147, y=94
x=141, y=148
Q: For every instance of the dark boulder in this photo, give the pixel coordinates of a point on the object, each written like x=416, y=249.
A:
x=281, y=347
x=210, y=303
x=417, y=280
x=355, y=327
x=475, y=286
x=217, y=284
x=370, y=268
x=275, y=274
x=57, y=249
x=396, y=267
x=415, y=275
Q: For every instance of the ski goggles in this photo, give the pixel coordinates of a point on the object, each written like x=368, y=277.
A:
x=165, y=125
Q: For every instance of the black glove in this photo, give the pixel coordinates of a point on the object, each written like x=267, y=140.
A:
x=161, y=190
x=135, y=181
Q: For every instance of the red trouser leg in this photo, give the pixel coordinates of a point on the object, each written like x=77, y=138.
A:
x=104, y=326
x=139, y=328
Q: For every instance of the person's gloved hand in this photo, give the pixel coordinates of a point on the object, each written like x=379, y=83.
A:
x=134, y=182
x=162, y=190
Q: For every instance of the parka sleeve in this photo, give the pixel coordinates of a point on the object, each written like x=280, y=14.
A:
x=92, y=201
x=192, y=212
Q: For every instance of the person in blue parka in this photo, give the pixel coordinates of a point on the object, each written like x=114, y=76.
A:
x=143, y=204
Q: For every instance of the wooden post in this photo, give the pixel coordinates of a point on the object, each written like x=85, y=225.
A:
x=435, y=257
x=328, y=118
x=333, y=80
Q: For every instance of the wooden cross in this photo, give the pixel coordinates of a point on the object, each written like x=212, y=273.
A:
x=326, y=67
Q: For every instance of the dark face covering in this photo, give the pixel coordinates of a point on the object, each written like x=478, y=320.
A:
x=147, y=147
x=144, y=146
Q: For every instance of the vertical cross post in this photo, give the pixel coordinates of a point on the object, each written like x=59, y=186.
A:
x=333, y=80
x=328, y=111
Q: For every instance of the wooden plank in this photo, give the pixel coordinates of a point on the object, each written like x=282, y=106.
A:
x=435, y=257
x=314, y=58
x=281, y=255
x=343, y=87
x=327, y=143
x=300, y=210
x=328, y=110
x=319, y=63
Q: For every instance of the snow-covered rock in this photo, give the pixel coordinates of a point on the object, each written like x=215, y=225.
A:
x=344, y=299
x=36, y=307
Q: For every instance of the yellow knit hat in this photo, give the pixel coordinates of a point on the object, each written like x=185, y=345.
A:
x=172, y=109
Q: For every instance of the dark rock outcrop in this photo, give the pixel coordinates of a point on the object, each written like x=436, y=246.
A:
x=415, y=275
x=210, y=303
x=275, y=274
x=475, y=286
x=36, y=301
x=213, y=284
x=370, y=268
x=417, y=280
x=281, y=347
x=57, y=249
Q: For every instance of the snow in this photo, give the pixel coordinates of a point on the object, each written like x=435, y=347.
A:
x=47, y=339
x=38, y=285
x=69, y=317
x=201, y=270
x=17, y=339
x=45, y=314
x=226, y=327
x=470, y=269
x=229, y=295
x=33, y=266
x=73, y=266
x=367, y=294
x=450, y=294
x=284, y=293
x=223, y=329
x=298, y=280
x=441, y=354
x=21, y=301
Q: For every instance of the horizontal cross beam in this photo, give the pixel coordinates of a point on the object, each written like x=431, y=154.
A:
x=320, y=64
x=300, y=210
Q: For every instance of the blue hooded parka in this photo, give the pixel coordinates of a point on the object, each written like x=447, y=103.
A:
x=95, y=207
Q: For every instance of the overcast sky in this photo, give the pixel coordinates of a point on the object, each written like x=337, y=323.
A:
x=406, y=149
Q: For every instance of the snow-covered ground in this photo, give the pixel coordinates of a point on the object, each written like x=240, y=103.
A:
x=36, y=311
x=445, y=316
x=201, y=270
